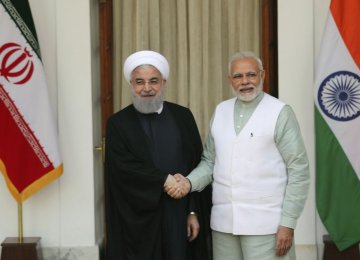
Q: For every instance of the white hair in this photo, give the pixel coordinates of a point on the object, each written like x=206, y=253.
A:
x=244, y=55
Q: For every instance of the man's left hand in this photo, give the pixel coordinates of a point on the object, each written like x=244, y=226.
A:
x=193, y=227
x=284, y=240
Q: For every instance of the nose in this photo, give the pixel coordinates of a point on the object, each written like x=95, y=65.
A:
x=244, y=80
x=147, y=86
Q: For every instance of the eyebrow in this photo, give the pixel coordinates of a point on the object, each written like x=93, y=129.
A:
x=152, y=78
x=239, y=73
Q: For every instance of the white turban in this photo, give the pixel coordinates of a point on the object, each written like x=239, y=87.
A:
x=146, y=58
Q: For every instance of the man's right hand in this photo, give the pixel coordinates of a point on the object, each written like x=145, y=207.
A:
x=178, y=189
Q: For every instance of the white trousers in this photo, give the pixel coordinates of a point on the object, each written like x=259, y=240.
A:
x=243, y=247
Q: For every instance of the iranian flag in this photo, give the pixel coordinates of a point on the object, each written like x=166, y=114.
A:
x=337, y=122
x=29, y=154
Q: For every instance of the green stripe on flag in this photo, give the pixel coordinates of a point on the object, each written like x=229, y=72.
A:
x=19, y=11
x=337, y=188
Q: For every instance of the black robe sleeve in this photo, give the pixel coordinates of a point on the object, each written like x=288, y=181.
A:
x=200, y=202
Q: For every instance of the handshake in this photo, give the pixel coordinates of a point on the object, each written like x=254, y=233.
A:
x=177, y=186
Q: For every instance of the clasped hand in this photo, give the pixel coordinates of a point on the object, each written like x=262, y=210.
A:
x=177, y=186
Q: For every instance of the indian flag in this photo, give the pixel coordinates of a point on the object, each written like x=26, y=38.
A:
x=29, y=154
x=337, y=122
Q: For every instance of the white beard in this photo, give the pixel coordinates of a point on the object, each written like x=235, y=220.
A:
x=247, y=97
x=148, y=105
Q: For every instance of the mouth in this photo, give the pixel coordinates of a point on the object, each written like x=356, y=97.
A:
x=246, y=90
x=148, y=95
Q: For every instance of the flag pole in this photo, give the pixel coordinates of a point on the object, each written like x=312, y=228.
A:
x=20, y=222
x=20, y=247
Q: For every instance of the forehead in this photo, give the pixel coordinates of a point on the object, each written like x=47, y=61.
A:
x=244, y=65
x=147, y=71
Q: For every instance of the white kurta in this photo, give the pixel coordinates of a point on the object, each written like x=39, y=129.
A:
x=249, y=173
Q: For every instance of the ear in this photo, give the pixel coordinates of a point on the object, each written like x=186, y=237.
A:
x=263, y=75
x=229, y=79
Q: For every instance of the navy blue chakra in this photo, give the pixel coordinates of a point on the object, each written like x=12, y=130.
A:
x=339, y=96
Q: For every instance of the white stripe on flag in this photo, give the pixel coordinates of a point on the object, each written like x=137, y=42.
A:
x=340, y=59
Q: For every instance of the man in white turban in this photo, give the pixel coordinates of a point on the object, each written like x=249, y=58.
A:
x=146, y=143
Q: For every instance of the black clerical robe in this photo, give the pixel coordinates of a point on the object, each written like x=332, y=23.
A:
x=135, y=196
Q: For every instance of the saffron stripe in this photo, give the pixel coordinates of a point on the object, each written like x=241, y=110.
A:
x=346, y=14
